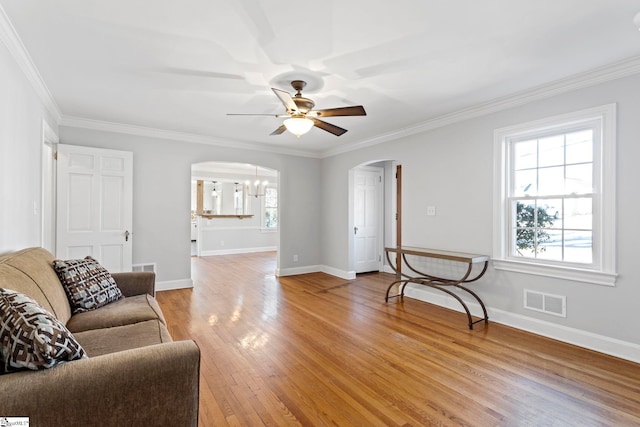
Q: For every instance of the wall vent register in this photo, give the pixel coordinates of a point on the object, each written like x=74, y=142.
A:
x=545, y=303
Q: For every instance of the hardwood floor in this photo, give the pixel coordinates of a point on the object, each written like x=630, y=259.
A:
x=316, y=350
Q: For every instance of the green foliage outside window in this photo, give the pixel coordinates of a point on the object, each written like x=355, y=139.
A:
x=531, y=223
x=271, y=208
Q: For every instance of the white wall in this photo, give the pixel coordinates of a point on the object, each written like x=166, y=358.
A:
x=22, y=112
x=232, y=235
x=451, y=168
x=162, y=197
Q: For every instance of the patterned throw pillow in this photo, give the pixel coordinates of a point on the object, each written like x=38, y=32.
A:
x=31, y=337
x=88, y=285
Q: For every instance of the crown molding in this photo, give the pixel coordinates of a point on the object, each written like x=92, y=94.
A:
x=12, y=41
x=104, y=126
x=616, y=70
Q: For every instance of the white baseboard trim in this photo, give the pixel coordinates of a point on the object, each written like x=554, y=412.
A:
x=589, y=340
x=238, y=251
x=348, y=275
x=168, y=285
x=282, y=272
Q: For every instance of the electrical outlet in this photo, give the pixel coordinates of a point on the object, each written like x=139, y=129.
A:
x=221, y=242
x=295, y=258
x=431, y=210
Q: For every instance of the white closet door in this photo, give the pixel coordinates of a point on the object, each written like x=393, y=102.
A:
x=94, y=205
x=367, y=219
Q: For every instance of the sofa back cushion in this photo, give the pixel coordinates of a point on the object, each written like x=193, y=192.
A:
x=30, y=271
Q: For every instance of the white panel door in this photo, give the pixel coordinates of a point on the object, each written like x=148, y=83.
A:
x=94, y=205
x=367, y=218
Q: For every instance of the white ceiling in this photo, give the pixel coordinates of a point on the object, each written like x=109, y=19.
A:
x=182, y=65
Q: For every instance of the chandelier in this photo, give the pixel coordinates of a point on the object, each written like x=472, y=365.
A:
x=258, y=188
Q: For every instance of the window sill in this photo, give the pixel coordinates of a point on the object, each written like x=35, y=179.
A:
x=566, y=273
x=268, y=230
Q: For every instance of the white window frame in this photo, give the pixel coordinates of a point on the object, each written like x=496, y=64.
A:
x=602, y=270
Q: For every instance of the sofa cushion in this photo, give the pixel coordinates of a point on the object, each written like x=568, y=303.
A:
x=30, y=272
x=98, y=342
x=126, y=311
x=31, y=337
x=88, y=285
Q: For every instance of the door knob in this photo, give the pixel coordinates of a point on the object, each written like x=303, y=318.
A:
x=126, y=236
x=355, y=230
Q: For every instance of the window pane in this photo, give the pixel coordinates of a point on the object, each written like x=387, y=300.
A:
x=271, y=217
x=271, y=198
x=525, y=154
x=525, y=182
x=579, y=179
x=549, y=213
x=578, y=246
x=524, y=228
x=578, y=213
x=551, y=180
x=580, y=147
x=551, y=151
x=271, y=208
x=550, y=244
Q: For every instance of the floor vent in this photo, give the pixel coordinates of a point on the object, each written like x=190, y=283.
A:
x=545, y=303
x=145, y=267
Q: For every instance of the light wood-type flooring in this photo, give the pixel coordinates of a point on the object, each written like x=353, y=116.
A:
x=317, y=350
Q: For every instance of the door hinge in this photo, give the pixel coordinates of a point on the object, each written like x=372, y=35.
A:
x=55, y=155
x=379, y=258
x=379, y=178
x=396, y=216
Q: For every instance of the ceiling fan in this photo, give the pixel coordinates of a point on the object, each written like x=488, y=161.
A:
x=302, y=116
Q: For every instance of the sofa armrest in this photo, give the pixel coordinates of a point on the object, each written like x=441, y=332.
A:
x=136, y=283
x=148, y=386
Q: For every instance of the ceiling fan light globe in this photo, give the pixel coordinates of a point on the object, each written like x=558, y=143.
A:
x=298, y=125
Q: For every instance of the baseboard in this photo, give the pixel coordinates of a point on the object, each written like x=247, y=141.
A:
x=348, y=275
x=281, y=272
x=168, y=285
x=611, y=346
x=238, y=251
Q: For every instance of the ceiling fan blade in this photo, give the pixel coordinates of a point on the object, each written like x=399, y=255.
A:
x=337, y=131
x=287, y=100
x=355, y=110
x=254, y=114
x=280, y=130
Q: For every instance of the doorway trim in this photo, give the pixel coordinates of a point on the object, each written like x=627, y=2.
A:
x=387, y=206
x=50, y=142
x=241, y=175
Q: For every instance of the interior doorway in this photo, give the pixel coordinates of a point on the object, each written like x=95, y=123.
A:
x=371, y=213
x=367, y=218
x=234, y=209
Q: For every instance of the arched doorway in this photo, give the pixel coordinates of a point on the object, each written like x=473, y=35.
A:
x=234, y=208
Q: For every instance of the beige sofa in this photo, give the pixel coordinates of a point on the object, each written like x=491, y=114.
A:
x=134, y=374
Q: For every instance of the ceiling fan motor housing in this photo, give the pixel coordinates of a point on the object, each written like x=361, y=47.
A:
x=304, y=104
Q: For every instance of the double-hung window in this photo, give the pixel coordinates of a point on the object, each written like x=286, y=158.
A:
x=554, y=197
x=270, y=211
